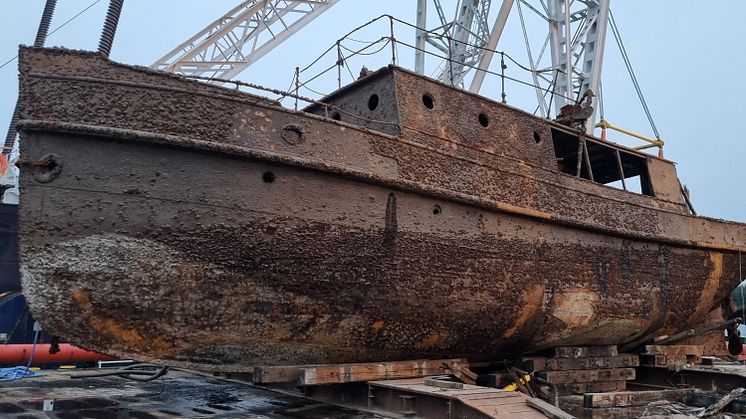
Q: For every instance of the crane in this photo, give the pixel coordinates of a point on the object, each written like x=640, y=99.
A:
x=576, y=38
x=242, y=36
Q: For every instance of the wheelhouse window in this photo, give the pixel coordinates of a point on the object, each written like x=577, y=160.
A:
x=601, y=163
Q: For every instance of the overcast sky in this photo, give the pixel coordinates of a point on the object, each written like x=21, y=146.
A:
x=688, y=58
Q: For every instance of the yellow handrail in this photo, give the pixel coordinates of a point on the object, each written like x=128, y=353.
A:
x=604, y=124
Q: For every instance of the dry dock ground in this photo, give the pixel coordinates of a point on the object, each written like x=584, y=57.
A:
x=178, y=394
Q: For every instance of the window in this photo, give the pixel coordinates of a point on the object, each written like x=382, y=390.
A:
x=601, y=163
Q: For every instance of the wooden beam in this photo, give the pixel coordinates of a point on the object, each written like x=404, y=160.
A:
x=717, y=407
x=697, y=350
x=588, y=376
x=265, y=375
x=347, y=373
x=595, y=387
x=462, y=372
x=585, y=351
x=631, y=398
x=548, y=410
x=587, y=363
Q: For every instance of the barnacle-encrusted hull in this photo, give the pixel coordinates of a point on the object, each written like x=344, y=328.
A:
x=164, y=219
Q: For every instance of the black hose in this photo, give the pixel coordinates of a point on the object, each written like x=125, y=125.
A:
x=10, y=138
x=46, y=20
x=41, y=37
x=110, y=27
x=130, y=372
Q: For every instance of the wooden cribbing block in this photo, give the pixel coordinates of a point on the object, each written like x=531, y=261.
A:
x=262, y=375
x=597, y=387
x=585, y=351
x=588, y=376
x=346, y=373
x=587, y=363
x=696, y=350
x=631, y=398
x=663, y=360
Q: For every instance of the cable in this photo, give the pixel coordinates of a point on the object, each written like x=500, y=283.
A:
x=740, y=285
x=628, y=64
x=37, y=330
x=56, y=29
x=130, y=372
x=23, y=315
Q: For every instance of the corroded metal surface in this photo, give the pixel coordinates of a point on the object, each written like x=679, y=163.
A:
x=196, y=225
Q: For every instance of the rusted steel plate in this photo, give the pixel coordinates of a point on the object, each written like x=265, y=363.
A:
x=184, y=223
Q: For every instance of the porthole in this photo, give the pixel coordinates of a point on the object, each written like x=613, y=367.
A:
x=373, y=102
x=537, y=137
x=437, y=210
x=484, y=120
x=268, y=177
x=292, y=134
x=336, y=116
x=428, y=101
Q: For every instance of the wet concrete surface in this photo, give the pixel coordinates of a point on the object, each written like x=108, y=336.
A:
x=178, y=394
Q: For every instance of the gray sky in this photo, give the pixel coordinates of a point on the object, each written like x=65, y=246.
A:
x=688, y=59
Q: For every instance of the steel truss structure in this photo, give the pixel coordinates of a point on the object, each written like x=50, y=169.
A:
x=242, y=36
x=576, y=39
x=462, y=39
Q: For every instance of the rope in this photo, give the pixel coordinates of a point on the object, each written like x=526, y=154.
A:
x=266, y=89
x=14, y=373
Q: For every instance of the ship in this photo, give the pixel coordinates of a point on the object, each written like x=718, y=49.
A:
x=168, y=220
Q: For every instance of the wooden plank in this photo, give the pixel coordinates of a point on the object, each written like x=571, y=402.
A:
x=585, y=351
x=620, y=361
x=631, y=398
x=717, y=407
x=343, y=373
x=503, y=407
x=548, y=410
x=588, y=376
x=696, y=350
x=460, y=371
x=434, y=381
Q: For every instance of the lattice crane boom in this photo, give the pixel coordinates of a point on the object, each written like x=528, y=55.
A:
x=242, y=36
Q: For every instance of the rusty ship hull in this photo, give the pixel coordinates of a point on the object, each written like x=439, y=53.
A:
x=165, y=219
